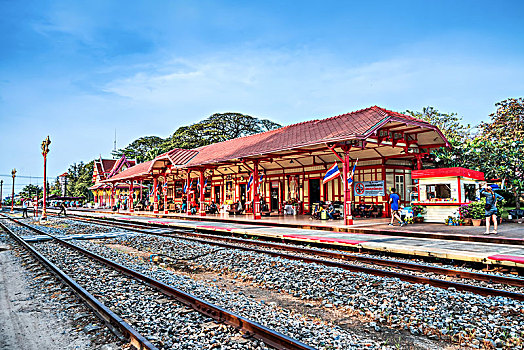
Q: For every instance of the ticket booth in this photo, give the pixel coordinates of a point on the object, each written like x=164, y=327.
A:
x=443, y=191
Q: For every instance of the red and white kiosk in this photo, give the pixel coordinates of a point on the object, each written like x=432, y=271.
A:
x=442, y=191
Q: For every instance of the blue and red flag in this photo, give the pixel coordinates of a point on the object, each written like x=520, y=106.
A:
x=350, y=177
x=331, y=174
x=249, y=182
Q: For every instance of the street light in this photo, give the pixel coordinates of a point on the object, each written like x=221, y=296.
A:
x=13, y=174
x=1, y=188
x=45, y=151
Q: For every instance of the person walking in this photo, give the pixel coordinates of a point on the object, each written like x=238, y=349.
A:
x=62, y=209
x=491, y=207
x=24, y=209
x=394, y=199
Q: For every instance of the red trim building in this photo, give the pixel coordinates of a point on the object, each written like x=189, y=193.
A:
x=293, y=160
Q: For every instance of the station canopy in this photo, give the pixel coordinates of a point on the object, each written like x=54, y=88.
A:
x=372, y=134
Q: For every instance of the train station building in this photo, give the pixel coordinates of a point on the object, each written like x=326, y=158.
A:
x=361, y=154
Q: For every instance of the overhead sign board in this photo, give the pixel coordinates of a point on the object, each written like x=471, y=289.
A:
x=369, y=188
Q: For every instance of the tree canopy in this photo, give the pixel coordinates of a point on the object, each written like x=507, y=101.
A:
x=216, y=128
x=79, y=178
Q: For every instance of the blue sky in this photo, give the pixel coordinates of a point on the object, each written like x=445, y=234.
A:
x=78, y=70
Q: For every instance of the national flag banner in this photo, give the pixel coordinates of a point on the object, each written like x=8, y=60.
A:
x=331, y=174
x=164, y=187
x=151, y=192
x=249, y=182
x=198, y=183
x=261, y=178
x=185, y=187
x=350, y=178
x=205, y=182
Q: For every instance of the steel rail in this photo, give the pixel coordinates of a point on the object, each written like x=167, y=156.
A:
x=478, y=276
x=115, y=323
x=250, y=328
x=383, y=273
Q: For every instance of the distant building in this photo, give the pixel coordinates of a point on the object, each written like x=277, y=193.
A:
x=62, y=180
x=103, y=169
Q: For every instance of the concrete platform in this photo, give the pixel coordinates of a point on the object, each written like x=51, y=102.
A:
x=371, y=239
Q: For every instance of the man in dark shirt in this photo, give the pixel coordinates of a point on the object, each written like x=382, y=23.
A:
x=394, y=199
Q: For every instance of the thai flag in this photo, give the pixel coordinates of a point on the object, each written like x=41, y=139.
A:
x=249, y=182
x=164, y=186
x=331, y=174
x=198, y=183
x=261, y=178
x=205, y=182
x=185, y=187
x=350, y=178
x=151, y=192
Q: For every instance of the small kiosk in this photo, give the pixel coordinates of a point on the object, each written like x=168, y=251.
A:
x=442, y=191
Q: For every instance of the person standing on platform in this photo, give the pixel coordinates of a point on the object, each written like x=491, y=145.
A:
x=24, y=209
x=394, y=200
x=491, y=207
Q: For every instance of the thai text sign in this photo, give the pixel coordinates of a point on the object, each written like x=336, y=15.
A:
x=369, y=188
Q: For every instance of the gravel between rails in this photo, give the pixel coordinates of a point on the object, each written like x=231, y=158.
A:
x=309, y=330
x=47, y=314
x=465, y=318
x=164, y=321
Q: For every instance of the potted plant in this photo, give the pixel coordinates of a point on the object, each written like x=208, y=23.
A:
x=418, y=211
x=465, y=214
x=477, y=211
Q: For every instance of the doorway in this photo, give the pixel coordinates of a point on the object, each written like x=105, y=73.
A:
x=217, y=195
x=274, y=196
x=243, y=195
x=314, y=191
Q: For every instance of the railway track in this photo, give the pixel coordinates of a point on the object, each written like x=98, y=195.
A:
x=335, y=257
x=220, y=315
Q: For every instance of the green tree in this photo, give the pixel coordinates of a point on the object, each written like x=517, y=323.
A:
x=456, y=132
x=507, y=123
x=79, y=178
x=140, y=148
x=217, y=128
x=450, y=124
x=29, y=191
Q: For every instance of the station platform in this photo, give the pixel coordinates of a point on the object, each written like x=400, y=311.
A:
x=462, y=243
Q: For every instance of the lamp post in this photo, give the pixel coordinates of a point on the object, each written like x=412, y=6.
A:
x=45, y=151
x=13, y=174
x=1, y=188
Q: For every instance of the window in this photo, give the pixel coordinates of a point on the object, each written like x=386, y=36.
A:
x=399, y=185
x=470, y=192
x=438, y=191
x=179, y=189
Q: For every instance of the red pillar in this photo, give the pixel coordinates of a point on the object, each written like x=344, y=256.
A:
x=164, y=192
x=155, y=195
x=348, y=218
x=256, y=195
x=188, y=192
x=202, y=210
x=112, y=195
x=130, y=200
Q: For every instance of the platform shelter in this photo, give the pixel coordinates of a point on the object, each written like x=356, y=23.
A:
x=265, y=172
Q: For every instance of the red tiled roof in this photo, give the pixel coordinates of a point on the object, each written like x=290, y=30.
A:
x=179, y=156
x=134, y=171
x=345, y=126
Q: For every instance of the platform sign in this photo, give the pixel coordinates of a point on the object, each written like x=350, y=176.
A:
x=369, y=188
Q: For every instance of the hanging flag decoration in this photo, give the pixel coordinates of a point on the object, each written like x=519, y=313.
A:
x=331, y=174
x=249, y=182
x=205, y=182
x=350, y=178
x=185, y=187
x=261, y=178
x=164, y=187
x=151, y=192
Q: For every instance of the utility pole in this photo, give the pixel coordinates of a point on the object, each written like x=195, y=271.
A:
x=13, y=174
x=1, y=188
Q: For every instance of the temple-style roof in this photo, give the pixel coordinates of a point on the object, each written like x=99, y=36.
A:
x=133, y=172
